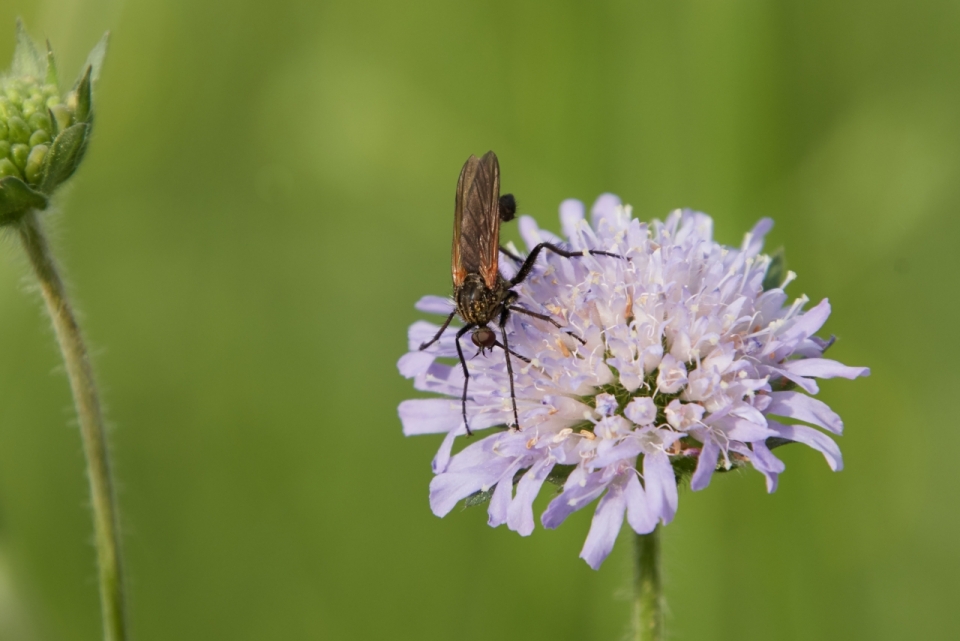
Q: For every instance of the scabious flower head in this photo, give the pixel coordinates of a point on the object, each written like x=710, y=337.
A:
x=43, y=134
x=691, y=364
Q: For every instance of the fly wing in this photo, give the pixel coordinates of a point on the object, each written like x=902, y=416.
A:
x=476, y=226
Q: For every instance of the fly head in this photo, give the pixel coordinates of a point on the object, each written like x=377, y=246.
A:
x=484, y=338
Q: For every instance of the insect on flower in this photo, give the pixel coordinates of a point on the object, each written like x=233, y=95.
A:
x=480, y=294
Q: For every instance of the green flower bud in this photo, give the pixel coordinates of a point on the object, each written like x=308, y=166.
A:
x=7, y=168
x=34, y=167
x=39, y=137
x=63, y=116
x=19, y=154
x=43, y=132
x=40, y=120
x=19, y=130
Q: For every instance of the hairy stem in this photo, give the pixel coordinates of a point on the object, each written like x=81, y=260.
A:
x=647, y=587
x=87, y=403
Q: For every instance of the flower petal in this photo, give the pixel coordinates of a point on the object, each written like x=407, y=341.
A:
x=706, y=464
x=767, y=464
x=447, y=489
x=604, y=212
x=805, y=408
x=807, y=324
x=753, y=242
x=571, y=213
x=639, y=514
x=520, y=514
x=500, y=501
x=824, y=368
x=573, y=497
x=435, y=305
x=532, y=234
x=428, y=415
x=815, y=439
x=604, y=528
x=442, y=458
x=414, y=363
x=661, y=486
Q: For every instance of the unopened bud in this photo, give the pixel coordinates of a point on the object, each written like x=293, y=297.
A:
x=40, y=120
x=43, y=133
x=34, y=167
x=39, y=137
x=62, y=115
x=19, y=130
x=7, y=168
x=19, y=153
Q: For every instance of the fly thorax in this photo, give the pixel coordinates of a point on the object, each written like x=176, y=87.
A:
x=477, y=303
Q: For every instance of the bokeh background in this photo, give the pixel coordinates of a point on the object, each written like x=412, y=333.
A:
x=269, y=190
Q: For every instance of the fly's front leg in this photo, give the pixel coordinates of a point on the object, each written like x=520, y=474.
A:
x=504, y=315
x=443, y=327
x=521, y=310
x=531, y=259
x=466, y=376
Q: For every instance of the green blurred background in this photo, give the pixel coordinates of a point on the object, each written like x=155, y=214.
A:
x=270, y=189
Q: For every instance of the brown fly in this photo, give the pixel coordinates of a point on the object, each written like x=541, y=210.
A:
x=481, y=295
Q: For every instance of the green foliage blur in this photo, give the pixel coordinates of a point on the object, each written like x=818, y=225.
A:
x=268, y=190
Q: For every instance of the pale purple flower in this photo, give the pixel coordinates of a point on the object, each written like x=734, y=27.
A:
x=686, y=360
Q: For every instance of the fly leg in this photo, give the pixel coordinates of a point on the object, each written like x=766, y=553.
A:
x=532, y=257
x=504, y=315
x=466, y=375
x=443, y=327
x=521, y=310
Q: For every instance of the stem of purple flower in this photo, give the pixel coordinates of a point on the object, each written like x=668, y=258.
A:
x=647, y=587
x=87, y=402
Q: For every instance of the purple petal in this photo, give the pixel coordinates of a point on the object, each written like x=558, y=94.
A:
x=808, y=385
x=429, y=415
x=739, y=429
x=571, y=213
x=500, y=501
x=661, y=486
x=450, y=487
x=572, y=499
x=805, y=408
x=767, y=464
x=705, y=465
x=639, y=515
x=435, y=305
x=604, y=208
x=520, y=514
x=824, y=368
x=807, y=324
x=815, y=439
x=422, y=331
x=413, y=363
x=753, y=243
x=532, y=235
x=442, y=458
x=604, y=528
x=628, y=448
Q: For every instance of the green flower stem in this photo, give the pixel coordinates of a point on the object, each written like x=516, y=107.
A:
x=647, y=587
x=87, y=403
